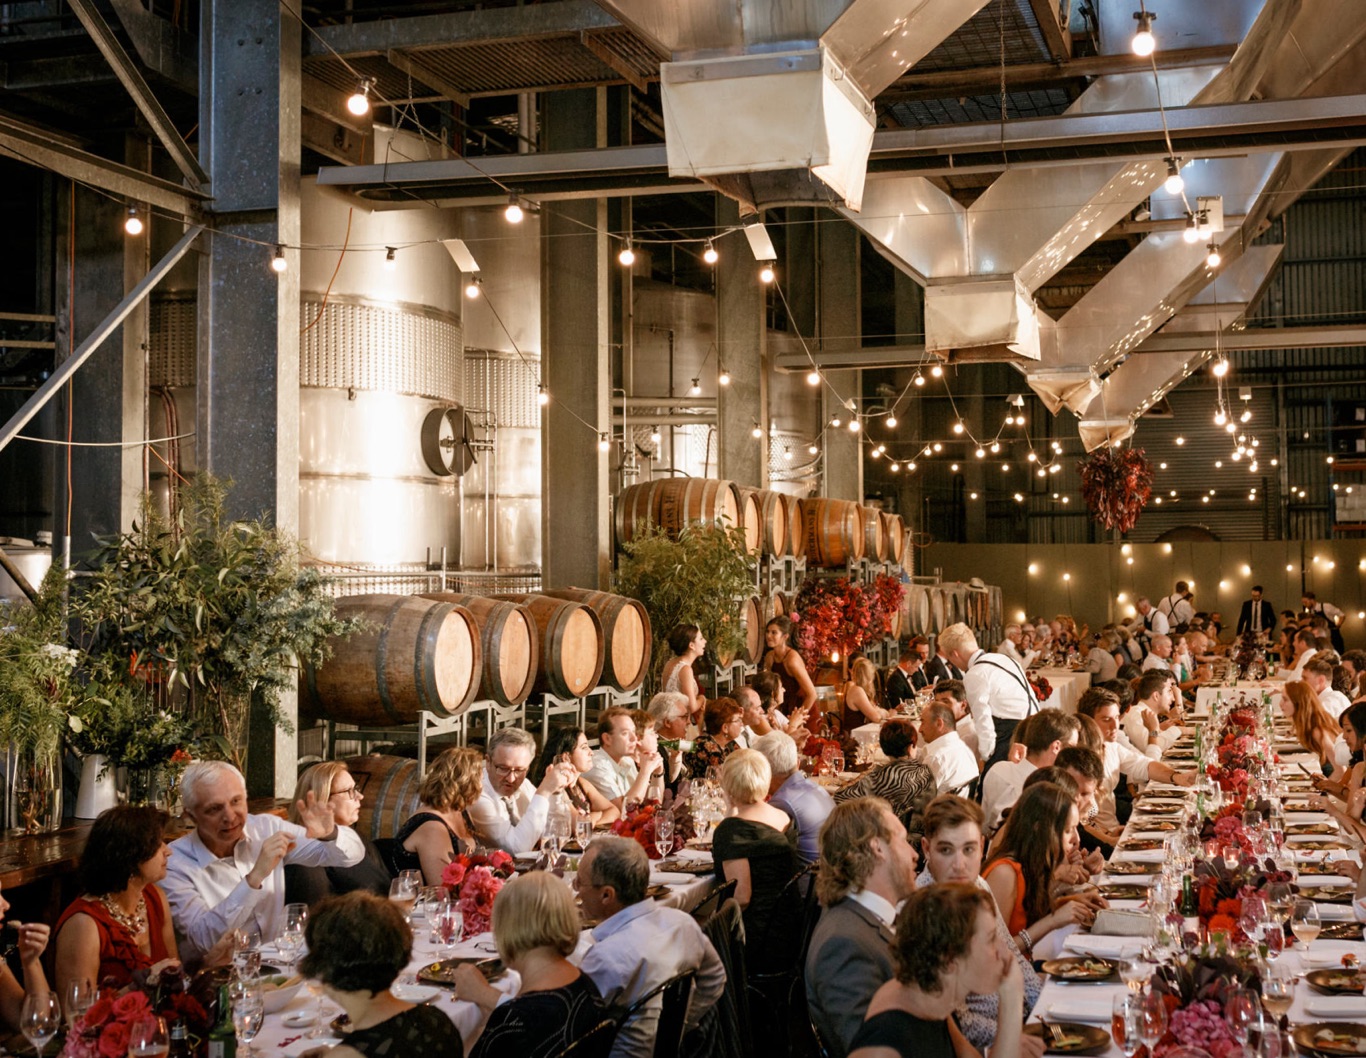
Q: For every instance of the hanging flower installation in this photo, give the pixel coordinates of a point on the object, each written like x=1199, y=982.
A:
x=1116, y=484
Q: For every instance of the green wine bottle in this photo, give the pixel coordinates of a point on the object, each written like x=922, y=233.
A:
x=223, y=1037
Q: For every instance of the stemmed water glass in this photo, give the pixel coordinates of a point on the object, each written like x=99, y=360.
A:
x=246, y=953
x=1154, y=1018
x=1126, y=1023
x=403, y=892
x=1240, y=1010
x=433, y=900
x=248, y=1015
x=583, y=832
x=148, y=1038
x=1278, y=990
x=664, y=833
x=77, y=998
x=1134, y=971
x=40, y=1018
x=291, y=940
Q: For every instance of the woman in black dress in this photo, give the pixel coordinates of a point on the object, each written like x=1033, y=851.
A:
x=946, y=946
x=756, y=847
x=357, y=945
x=331, y=782
x=782, y=659
x=536, y=927
x=438, y=830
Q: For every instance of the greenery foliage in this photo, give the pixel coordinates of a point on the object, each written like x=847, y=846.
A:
x=700, y=578
x=37, y=681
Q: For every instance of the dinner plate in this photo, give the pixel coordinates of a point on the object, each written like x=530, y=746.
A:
x=1319, y=845
x=1076, y=1038
x=658, y=892
x=1130, y=867
x=1320, y=867
x=443, y=972
x=1340, y=982
x=1324, y=827
x=1088, y=968
x=414, y=993
x=1328, y=894
x=1334, y=1038
x=1141, y=844
x=698, y=867
x=1124, y=892
x=1157, y=824
x=1341, y=931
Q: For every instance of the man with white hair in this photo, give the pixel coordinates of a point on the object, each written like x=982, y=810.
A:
x=1012, y=646
x=999, y=695
x=229, y=872
x=1148, y=621
x=669, y=711
x=1159, y=651
x=793, y=791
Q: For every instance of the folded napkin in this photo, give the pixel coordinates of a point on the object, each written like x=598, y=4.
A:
x=1336, y=1006
x=1335, y=912
x=1103, y=946
x=669, y=878
x=1140, y=855
x=1091, y=1007
x=1327, y=954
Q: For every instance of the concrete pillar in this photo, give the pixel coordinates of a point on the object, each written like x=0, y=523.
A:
x=248, y=371
x=575, y=338
x=908, y=306
x=838, y=285
x=741, y=350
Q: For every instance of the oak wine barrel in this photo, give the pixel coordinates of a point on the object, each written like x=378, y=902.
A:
x=510, y=641
x=752, y=618
x=389, y=793
x=750, y=523
x=635, y=510
x=895, y=531
x=417, y=655
x=874, y=539
x=625, y=632
x=571, y=644
x=779, y=605
x=771, y=514
x=796, y=538
x=833, y=531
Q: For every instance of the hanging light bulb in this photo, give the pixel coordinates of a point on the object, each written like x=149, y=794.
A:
x=766, y=272
x=514, y=213
x=910, y=465
x=358, y=102
x=278, y=262
x=836, y=422
x=938, y=447
x=918, y=379
x=390, y=260
x=853, y=424
x=1221, y=367
x=473, y=287
x=756, y=433
x=1213, y=259
x=627, y=256
x=875, y=454
x=896, y=467
x=1220, y=417
x=1031, y=457
x=1144, y=43
x=654, y=435
x=812, y=449
x=709, y=254
x=1175, y=182
x=981, y=453
x=543, y=398
x=1246, y=416
x=787, y=453
x=937, y=371
x=891, y=422
x=1179, y=441
x=995, y=447
x=603, y=443
x=958, y=427
x=813, y=377
x=724, y=377
x=695, y=390
x=1191, y=234
x=133, y=225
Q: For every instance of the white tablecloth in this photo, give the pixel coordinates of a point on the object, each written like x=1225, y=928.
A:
x=1068, y=687
x=1205, y=696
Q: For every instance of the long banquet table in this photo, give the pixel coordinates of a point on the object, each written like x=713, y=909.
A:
x=1091, y=1003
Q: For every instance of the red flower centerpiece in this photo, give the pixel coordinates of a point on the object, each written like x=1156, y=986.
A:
x=1116, y=484
x=640, y=825
x=473, y=882
x=103, y=1031
x=1195, y=989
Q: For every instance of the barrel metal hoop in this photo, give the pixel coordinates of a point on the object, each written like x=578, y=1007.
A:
x=424, y=675
x=381, y=657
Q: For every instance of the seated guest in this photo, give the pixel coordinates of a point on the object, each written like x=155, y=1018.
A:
x=1319, y=675
x=1098, y=655
x=1315, y=730
x=723, y=719
x=1159, y=653
x=229, y=871
x=568, y=747
x=638, y=945
x=756, y=847
x=1304, y=645
x=669, y=709
x=1044, y=734
x=330, y=781
x=1012, y=646
x=860, y=697
x=952, y=851
x=867, y=868
x=1088, y=771
x=358, y=943
x=795, y=792
x=1150, y=724
x=440, y=829
x=771, y=697
x=32, y=939
x=901, y=685
x=942, y=750
x=687, y=643
x=121, y=923
x=946, y=948
x=535, y=928
x=757, y=723
x=902, y=781
x=510, y=813
x=615, y=771
x=1039, y=835
x=953, y=694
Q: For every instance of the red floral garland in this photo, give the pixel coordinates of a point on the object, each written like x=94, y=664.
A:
x=838, y=617
x=1116, y=484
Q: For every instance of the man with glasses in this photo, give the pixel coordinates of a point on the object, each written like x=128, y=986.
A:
x=510, y=813
x=669, y=709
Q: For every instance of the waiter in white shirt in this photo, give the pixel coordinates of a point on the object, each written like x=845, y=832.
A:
x=999, y=695
x=1177, y=607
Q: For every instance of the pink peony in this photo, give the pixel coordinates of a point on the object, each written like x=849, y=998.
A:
x=114, y=1040
x=452, y=875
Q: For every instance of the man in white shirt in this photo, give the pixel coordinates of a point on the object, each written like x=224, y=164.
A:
x=229, y=872
x=1319, y=675
x=1177, y=607
x=999, y=695
x=1044, y=735
x=1305, y=648
x=1012, y=646
x=757, y=723
x=951, y=763
x=1148, y=621
x=638, y=945
x=1145, y=723
x=952, y=694
x=615, y=773
x=1328, y=612
x=510, y=813
x=1159, y=651
x=669, y=710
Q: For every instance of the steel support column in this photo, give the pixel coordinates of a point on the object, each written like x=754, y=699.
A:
x=740, y=348
x=838, y=264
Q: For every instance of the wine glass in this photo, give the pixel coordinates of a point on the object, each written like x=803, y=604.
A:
x=404, y=893
x=1305, y=922
x=664, y=833
x=148, y=1038
x=583, y=832
x=413, y=878
x=248, y=1015
x=1273, y=936
x=246, y=952
x=77, y=998
x=1134, y=971
x=1279, y=900
x=40, y=1018
x=1278, y=990
x=1154, y=1018
x=1126, y=1023
x=450, y=925
x=434, y=899
x=1240, y=1008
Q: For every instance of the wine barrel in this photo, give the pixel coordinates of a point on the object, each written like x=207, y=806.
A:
x=625, y=632
x=894, y=530
x=832, y=530
x=417, y=655
x=752, y=619
x=771, y=515
x=571, y=654
x=389, y=785
x=874, y=539
x=750, y=523
x=683, y=501
x=510, y=641
x=635, y=511
x=780, y=605
x=796, y=538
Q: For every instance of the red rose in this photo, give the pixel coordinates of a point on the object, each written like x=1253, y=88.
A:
x=114, y=1040
x=452, y=875
x=131, y=1004
x=99, y=1012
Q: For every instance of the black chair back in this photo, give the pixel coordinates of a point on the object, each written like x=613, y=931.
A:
x=712, y=902
x=673, y=1014
x=595, y=1043
x=725, y=1031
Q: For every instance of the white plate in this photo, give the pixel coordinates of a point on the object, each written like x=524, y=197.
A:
x=414, y=993
x=299, y=1019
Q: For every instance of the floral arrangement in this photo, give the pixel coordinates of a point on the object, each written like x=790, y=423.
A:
x=640, y=825
x=836, y=617
x=1195, y=988
x=1116, y=484
x=1043, y=690
x=888, y=591
x=103, y=1030
x=473, y=881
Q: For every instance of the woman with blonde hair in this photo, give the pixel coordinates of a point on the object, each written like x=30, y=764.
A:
x=1314, y=728
x=330, y=781
x=860, y=697
x=439, y=828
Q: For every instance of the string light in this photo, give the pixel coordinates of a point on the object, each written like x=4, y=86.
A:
x=627, y=256
x=787, y=453
x=1175, y=183
x=655, y=436
x=981, y=453
x=918, y=378
x=937, y=371
x=709, y=254
x=1144, y=43
x=695, y=390
x=1220, y=367
x=472, y=288
x=543, y=398
x=836, y=422
x=358, y=102
x=891, y=422
x=853, y=424
x=603, y=443
x=766, y=272
x=910, y=465
x=896, y=468
x=812, y=449
x=278, y=262
x=133, y=225
x=1179, y=441
x=756, y=433
x=724, y=377
x=514, y=212
x=1213, y=259
x=813, y=377
x=958, y=427
x=390, y=260
x=1191, y=234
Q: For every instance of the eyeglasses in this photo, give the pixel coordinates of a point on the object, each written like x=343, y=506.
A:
x=353, y=792
x=510, y=772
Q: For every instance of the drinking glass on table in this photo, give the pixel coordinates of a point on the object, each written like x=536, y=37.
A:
x=148, y=1038
x=77, y=998
x=1134, y=971
x=248, y=1015
x=1126, y=1023
x=39, y=1019
x=1305, y=922
x=413, y=878
x=433, y=899
x=1154, y=1018
x=449, y=927
x=1278, y=990
x=583, y=832
x=1240, y=1009
x=291, y=940
x=664, y=833
x=403, y=892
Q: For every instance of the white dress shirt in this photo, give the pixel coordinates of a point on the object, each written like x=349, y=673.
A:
x=967, y=731
x=996, y=686
x=880, y=906
x=1150, y=743
x=638, y=949
x=1177, y=609
x=1297, y=673
x=1001, y=789
x=1156, y=624
x=1152, y=661
x=1119, y=760
x=1010, y=650
x=210, y=896
x=611, y=778
x=1101, y=664
x=1334, y=703
x=513, y=828
x=950, y=761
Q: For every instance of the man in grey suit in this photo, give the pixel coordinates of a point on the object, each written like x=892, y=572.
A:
x=867, y=868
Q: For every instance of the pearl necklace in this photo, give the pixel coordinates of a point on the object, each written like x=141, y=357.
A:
x=135, y=923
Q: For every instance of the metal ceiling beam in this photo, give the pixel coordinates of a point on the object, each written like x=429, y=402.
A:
x=1056, y=36
x=566, y=18
x=420, y=71
x=132, y=79
x=40, y=147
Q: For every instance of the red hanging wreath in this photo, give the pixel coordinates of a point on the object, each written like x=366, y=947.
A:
x=1116, y=484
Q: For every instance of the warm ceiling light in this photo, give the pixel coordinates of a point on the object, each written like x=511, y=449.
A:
x=514, y=213
x=1180, y=440
x=709, y=254
x=1213, y=259
x=1175, y=183
x=1191, y=233
x=853, y=424
x=358, y=102
x=603, y=443
x=918, y=379
x=627, y=256
x=1144, y=43
x=813, y=377
x=133, y=225
x=756, y=433
x=724, y=377
x=958, y=427
x=766, y=272
x=278, y=262
x=891, y=422
x=937, y=371
x=1221, y=367
x=543, y=398
x=695, y=390
x=472, y=288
